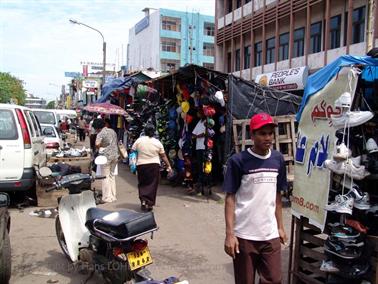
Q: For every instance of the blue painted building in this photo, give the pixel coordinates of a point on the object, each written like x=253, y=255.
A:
x=167, y=39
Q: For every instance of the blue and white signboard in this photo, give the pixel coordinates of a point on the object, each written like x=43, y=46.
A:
x=142, y=24
x=72, y=74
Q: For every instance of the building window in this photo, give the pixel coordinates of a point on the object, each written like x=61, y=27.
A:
x=169, y=65
x=209, y=66
x=229, y=6
x=316, y=37
x=247, y=57
x=171, y=24
x=170, y=45
x=284, y=46
x=238, y=3
x=208, y=49
x=335, y=31
x=270, y=49
x=298, y=48
x=237, y=60
x=258, y=53
x=209, y=29
x=358, y=25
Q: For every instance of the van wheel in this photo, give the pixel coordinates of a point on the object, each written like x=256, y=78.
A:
x=5, y=260
x=61, y=239
x=31, y=195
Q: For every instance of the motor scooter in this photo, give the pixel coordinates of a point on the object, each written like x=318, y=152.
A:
x=102, y=240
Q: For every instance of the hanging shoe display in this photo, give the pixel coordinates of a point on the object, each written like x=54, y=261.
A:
x=351, y=119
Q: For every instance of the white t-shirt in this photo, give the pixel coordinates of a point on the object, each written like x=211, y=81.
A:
x=200, y=129
x=149, y=150
x=255, y=181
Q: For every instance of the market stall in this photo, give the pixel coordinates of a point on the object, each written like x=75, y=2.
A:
x=335, y=196
x=176, y=104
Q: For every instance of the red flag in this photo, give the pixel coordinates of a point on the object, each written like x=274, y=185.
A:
x=85, y=70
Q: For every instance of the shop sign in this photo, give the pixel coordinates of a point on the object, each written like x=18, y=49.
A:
x=290, y=79
x=142, y=24
x=90, y=84
x=315, y=143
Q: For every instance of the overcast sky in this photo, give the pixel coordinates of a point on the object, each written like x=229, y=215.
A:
x=38, y=44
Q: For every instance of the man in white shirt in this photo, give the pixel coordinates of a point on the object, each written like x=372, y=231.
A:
x=199, y=134
x=253, y=210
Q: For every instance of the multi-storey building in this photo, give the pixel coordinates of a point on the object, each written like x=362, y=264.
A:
x=262, y=36
x=166, y=39
x=34, y=102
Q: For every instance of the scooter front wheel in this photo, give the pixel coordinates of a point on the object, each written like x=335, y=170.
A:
x=61, y=239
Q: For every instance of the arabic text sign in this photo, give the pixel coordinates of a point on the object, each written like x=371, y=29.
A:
x=315, y=143
x=290, y=79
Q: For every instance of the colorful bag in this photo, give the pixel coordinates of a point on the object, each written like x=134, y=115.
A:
x=133, y=161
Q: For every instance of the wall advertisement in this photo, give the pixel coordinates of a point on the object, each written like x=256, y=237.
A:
x=315, y=144
x=290, y=79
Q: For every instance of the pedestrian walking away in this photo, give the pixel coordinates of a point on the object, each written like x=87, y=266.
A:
x=106, y=143
x=92, y=136
x=82, y=125
x=253, y=209
x=149, y=150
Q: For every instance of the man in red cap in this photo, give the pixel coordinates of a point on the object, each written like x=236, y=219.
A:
x=253, y=210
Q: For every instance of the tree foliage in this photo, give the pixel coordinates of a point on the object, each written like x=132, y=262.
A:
x=51, y=105
x=11, y=88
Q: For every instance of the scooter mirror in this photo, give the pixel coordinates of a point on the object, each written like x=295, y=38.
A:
x=45, y=172
x=100, y=160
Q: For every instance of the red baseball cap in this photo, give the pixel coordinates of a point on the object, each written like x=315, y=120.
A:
x=261, y=119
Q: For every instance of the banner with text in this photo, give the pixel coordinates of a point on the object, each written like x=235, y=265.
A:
x=315, y=143
x=290, y=79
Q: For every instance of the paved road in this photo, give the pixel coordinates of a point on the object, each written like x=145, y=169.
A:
x=189, y=243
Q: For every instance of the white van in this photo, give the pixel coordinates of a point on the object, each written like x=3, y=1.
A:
x=62, y=114
x=46, y=116
x=21, y=148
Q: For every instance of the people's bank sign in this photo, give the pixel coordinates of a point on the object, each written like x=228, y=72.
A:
x=290, y=79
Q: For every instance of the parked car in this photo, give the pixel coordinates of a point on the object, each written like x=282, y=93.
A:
x=21, y=148
x=52, y=139
x=47, y=116
x=5, y=246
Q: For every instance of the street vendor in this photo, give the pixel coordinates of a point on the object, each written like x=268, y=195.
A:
x=253, y=208
x=199, y=134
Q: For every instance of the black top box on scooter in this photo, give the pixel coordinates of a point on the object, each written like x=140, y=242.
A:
x=120, y=224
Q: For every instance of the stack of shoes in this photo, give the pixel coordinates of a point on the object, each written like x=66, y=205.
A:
x=344, y=249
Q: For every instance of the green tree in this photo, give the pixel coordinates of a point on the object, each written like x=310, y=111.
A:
x=11, y=88
x=51, y=105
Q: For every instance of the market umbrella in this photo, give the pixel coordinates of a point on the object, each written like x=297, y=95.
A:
x=106, y=108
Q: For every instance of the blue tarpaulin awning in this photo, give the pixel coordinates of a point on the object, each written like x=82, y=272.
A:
x=117, y=84
x=318, y=80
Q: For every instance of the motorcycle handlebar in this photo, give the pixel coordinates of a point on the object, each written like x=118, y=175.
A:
x=100, y=177
x=50, y=188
